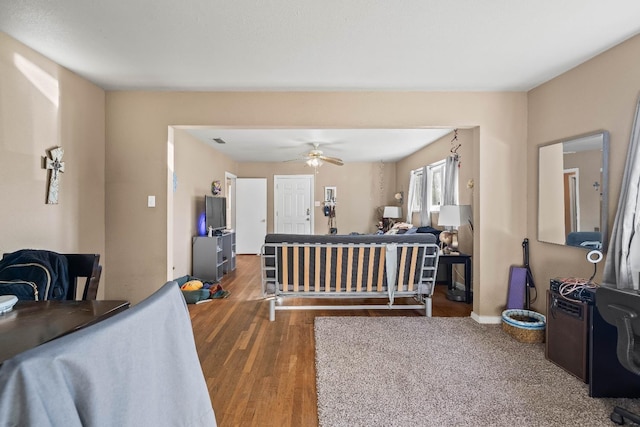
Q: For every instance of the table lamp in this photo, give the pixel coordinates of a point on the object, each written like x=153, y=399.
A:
x=389, y=213
x=453, y=216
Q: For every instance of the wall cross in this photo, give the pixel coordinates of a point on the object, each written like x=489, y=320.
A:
x=55, y=165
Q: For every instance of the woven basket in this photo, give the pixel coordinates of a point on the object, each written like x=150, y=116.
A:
x=524, y=325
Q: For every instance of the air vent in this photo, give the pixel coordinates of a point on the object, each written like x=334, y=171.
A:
x=219, y=140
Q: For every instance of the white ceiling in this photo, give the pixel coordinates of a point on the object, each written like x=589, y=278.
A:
x=320, y=45
x=350, y=145
x=510, y=45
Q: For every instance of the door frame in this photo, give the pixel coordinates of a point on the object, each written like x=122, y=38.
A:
x=312, y=182
x=231, y=207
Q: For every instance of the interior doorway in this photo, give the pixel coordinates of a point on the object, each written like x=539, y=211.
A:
x=251, y=218
x=571, y=200
x=230, y=191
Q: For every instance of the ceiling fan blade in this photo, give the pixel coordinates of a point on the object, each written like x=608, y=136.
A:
x=316, y=154
x=333, y=160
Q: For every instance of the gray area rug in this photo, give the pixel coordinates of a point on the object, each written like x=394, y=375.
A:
x=406, y=371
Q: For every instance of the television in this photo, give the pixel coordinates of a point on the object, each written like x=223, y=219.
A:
x=215, y=213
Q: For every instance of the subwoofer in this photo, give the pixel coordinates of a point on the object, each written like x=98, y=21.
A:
x=567, y=340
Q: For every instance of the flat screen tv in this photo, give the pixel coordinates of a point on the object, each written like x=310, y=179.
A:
x=215, y=212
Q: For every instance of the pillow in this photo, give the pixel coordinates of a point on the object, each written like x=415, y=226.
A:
x=192, y=285
x=427, y=229
x=402, y=225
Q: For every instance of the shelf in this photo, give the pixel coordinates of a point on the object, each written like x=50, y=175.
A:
x=213, y=256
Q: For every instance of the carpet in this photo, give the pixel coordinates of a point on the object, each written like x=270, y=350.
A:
x=406, y=371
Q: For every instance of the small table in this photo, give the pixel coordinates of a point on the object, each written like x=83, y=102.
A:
x=32, y=323
x=454, y=294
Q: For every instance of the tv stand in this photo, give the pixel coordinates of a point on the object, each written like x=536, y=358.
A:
x=214, y=256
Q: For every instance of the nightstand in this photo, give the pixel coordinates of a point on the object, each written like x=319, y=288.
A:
x=454, y=294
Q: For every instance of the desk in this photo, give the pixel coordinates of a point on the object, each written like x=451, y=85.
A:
x=32, y=323
x=453, y=294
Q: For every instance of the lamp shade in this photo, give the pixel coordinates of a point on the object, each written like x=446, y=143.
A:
x=392, y=212
x=454, y=215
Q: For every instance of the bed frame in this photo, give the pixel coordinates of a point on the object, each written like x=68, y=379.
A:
x=349, y=270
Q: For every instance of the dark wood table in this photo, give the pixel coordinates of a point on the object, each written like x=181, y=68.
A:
x=32, y=323
x=453, y=294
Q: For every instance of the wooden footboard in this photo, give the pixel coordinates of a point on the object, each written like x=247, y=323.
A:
x=326, y=270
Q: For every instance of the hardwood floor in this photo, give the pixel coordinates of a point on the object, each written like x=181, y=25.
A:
x=262, y=373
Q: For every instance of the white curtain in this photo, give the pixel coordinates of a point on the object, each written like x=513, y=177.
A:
x=622, y=267
x=450, y=191
x=425, y=198
x=412, y=183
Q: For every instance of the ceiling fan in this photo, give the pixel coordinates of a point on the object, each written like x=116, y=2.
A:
x=315, y=158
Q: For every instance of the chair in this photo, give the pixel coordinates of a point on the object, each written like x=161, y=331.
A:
x=620, y=308
x=84, y=265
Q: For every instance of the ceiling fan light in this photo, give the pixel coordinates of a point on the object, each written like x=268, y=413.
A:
x=314, y=163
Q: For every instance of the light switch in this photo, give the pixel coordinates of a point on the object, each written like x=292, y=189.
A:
x=151, y=201
x=317, y=203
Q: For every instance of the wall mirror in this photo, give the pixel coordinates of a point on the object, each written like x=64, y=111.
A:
x=573, y=191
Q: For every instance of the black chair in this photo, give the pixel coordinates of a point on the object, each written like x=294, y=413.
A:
x=620, y=308
x=83, y=266
x=86, y=266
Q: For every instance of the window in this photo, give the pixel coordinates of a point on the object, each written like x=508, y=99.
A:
x=435, y=181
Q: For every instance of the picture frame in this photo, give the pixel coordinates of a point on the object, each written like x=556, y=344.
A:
x=330, y=194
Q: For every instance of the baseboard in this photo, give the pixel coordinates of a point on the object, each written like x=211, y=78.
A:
x=489, y=320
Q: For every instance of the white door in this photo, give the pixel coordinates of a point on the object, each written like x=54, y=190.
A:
x=293, y=204
x=251, y=214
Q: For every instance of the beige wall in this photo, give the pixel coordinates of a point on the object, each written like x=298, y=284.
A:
x=599, y=94
x=43, y=105
x=136, y=156
x=196, y=166
x=360, y=187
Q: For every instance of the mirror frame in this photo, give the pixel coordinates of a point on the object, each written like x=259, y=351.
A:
x=604, y=213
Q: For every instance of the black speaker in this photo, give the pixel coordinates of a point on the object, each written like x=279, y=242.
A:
x=567, y=340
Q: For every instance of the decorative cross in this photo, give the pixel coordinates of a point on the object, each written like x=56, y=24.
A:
x=56, y=165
